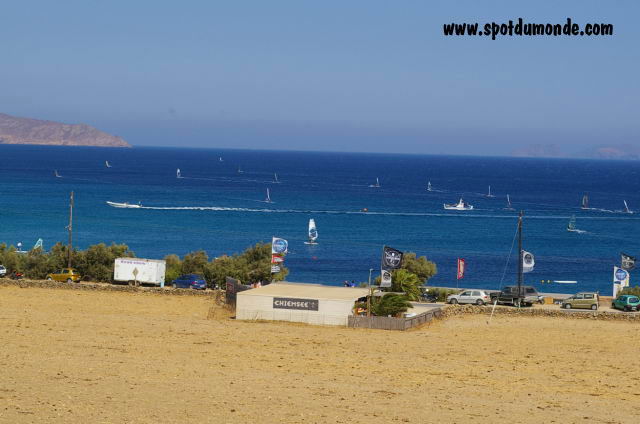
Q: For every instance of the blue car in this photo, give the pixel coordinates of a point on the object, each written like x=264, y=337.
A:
x=189, y=281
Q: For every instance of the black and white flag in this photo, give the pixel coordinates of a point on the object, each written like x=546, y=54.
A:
x=627, y=262
x=385, y=278
x=391, y=258
x=528, y=261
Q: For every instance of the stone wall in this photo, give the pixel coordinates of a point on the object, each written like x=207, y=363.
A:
x=455, y=310
x=46, y=284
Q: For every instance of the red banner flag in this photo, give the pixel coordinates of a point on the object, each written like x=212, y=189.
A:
x=460, y=269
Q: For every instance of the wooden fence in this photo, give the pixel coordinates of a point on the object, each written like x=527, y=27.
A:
x=390, y=323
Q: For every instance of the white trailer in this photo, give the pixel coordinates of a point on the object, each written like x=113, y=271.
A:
x=137, y=270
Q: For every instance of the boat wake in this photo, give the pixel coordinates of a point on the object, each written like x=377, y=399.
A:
x=350, y=212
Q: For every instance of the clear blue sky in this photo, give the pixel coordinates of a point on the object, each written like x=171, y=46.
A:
x=331, y=75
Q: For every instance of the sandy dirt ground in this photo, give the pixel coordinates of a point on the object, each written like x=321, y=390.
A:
x=101, y=357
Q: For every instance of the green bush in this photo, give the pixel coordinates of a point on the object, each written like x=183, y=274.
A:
x=195, y=262
x=420, y=266
x=251, y=266
x=391, y=304
x=403, y=281
x=631, y=290
x=173, y=268
x=95, y=263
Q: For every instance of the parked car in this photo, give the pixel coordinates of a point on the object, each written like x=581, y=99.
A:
x=428, y=294
x=3, y=271
x=479, y=297
x=189, y=281
x=509, y=295
x=69, y=275
x=626, y=302
x=583, y=300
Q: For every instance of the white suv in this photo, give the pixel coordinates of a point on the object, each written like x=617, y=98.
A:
x=478, y=297
x=3, y=271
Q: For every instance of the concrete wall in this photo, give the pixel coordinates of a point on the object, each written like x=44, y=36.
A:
x=330, y=312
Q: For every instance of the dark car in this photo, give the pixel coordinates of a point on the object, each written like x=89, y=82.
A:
x=528, y=296
x=189, y=281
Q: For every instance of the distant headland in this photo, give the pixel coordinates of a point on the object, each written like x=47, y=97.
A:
x=15, y=130
x=620, y=151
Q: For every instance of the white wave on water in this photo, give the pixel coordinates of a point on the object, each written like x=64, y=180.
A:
x=356, y=212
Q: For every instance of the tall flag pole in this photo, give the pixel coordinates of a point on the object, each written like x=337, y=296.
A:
x=520, y=257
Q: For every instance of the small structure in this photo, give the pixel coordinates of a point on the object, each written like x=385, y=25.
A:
x=138, y=270
x=299, y=302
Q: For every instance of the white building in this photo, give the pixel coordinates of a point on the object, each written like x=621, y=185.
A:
x=299, y=302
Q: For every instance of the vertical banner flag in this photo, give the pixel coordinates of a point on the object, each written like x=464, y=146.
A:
x=460, y=269
x=385, y=278
x=627, y=262
x=391, y=259
x=279, y=248
x=528, y=261
x=620, y=280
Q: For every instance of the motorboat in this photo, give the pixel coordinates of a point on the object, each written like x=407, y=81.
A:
x=460, y=206
x=125, y=205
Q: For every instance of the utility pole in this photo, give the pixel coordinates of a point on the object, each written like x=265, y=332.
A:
x=70, y=228
x=370, y=294
x=520, y=256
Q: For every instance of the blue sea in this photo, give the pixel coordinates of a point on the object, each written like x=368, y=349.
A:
x=217, y=209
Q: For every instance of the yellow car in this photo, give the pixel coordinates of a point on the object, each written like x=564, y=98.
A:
x=69, y=275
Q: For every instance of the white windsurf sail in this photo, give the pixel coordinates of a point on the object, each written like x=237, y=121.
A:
x=626, y=207
x=585, y=202
x=268, y=198
x=107, y=164
x=571, y=227
x=178, y=173
x=509, y=207
x=38, y=244
x=429, y=186
x=313, y=232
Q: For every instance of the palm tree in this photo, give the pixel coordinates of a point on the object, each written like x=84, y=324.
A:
x=391, y=304
x=406, y=282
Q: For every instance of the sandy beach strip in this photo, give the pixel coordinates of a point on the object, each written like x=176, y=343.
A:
x=93, y=356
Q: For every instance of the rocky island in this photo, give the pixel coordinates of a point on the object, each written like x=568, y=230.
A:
x=14, y=130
